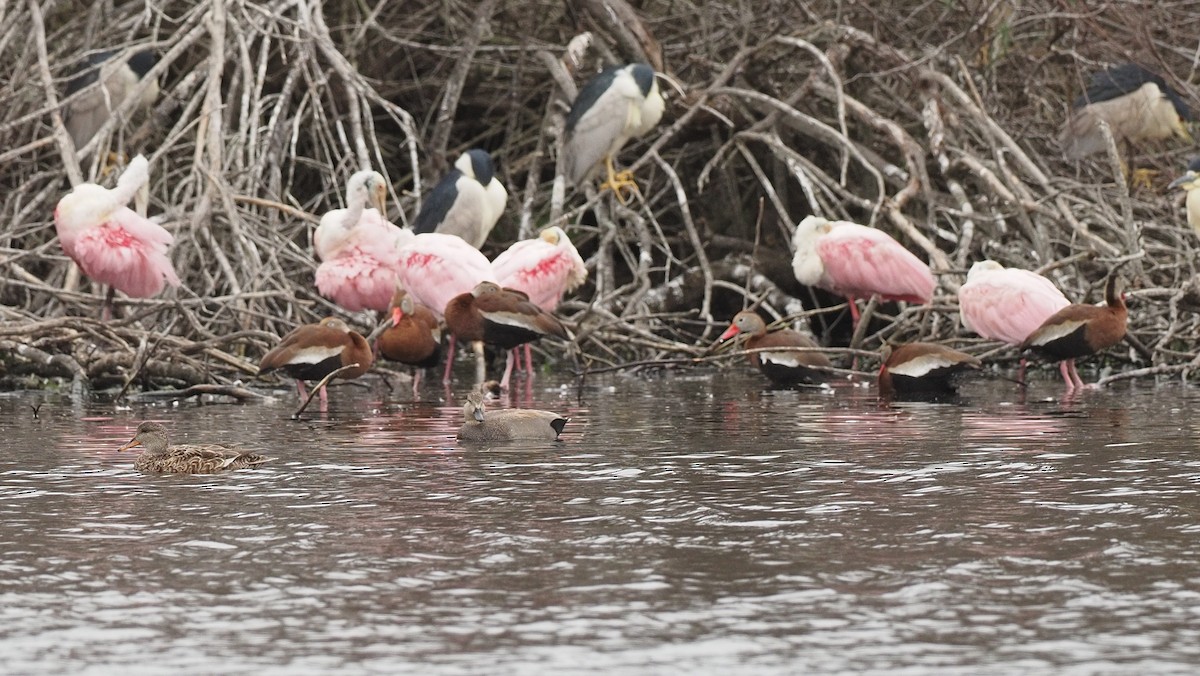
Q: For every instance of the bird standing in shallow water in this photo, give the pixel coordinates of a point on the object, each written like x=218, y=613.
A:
x=414, y=338
x=1081, y=330
x=620, y=103
x=854, y=260
x=160, y=457
x=922, y=369
x=434, y=268
x=502, y=318
x=358, y=247
x=785, y=367
x=313, y=351
x=467, y=202
x=543, y=268
x=110, y=242
x=508, y=424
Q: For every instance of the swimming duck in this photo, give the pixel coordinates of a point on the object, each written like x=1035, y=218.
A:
x=162, y=458
x=509, y=424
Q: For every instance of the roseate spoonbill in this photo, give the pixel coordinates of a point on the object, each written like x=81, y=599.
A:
x=313, y=351
x=502, y=318
x=160, y=457
x=435, y=268
x=1007, y=304
x=86, y=113
x=110, y=242
x=544, y=268
x=467, y=202
x=854, y=260
x=1190, y=182
x=358, y=247
x=1138, y=105
x=508, y=424
x=1080, y=330
x=785, y=367
x=618, y=104
x=414, y=337
x=925, y=369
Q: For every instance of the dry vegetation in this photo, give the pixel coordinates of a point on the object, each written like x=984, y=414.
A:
x=937, y=122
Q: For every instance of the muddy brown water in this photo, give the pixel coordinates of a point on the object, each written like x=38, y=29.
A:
x=693, y=523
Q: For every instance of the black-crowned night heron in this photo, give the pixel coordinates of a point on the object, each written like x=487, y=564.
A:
x=1190, y=181
x=467, y=202
x=620, y=103
x=87, y=113
x=1137, y=104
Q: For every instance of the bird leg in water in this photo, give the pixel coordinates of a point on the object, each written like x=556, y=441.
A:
x=480, y=362
x=1070, y=375
x=618, y=181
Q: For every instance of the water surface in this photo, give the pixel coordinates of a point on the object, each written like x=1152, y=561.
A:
x=690, y=523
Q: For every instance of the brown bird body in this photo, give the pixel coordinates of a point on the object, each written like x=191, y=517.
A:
x=922, y=369
x=500, y=317
x=1081, y=330
x=160, y=457
x=785, y=367
x=414, y=338
x=510, y=424
x=313, y=351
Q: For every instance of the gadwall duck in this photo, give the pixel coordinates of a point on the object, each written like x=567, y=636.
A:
x=161, y=458
x=508, y=424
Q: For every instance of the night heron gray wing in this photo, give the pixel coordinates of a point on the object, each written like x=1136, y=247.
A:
x=116, y=80
x=467, y=202
x=1138, y=105
x=618, y=104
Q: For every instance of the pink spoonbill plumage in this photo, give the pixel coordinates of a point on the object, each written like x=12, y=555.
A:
x=358, y=247
x=857, y=261
x=110, y=242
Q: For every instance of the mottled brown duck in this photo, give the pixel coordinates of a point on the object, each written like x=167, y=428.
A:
x=160, y=457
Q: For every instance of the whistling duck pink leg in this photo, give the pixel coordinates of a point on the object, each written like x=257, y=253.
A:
x=480, y=361
x=449, y=361
x=1064, y=367
x=1075, y=376
x=324, y=395
x=417, y=381
x=301, y=389
x=508, y=366
x=529, y=361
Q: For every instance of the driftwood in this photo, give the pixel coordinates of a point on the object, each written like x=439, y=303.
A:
x=935, y=124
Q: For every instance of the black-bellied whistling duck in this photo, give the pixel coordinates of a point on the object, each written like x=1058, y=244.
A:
x=502, y=318
x=1081, y=330
x=785, y=367
x=508, y=424
x=313, y=351
x=414, y=338
x=162, y=458
x=924, y=369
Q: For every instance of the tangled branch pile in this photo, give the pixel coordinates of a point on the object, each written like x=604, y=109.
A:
x=937, y=123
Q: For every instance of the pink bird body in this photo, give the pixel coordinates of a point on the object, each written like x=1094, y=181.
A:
x=857, y=261
x=110, y=242
x=1007, y=304
x=358, y=248
x=544, y=267
x=434, y=267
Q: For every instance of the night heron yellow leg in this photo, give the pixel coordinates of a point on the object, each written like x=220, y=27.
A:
x=618, y=181
x=1143, y=178
x=113, y=163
